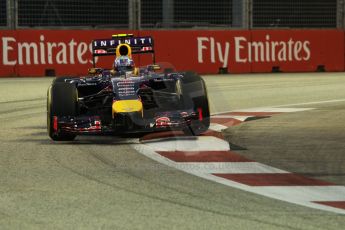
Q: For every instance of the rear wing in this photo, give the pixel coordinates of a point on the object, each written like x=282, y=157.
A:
x=138, y=45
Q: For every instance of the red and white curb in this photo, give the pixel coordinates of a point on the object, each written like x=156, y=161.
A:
x=210, y=157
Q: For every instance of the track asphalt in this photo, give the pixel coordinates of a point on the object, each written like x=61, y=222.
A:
x=103, y=183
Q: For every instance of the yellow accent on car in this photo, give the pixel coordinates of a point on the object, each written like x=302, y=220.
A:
x=127, y=106
x=122, y=35
x=136, y=71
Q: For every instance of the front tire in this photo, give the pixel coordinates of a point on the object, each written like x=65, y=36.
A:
x=61, y=79
x=61, y=101
x=194, y=96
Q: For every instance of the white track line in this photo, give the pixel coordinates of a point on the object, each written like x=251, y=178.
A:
x=217, y=127
x=291, y=194
x=313, y=103
x=201, y=143
x=275, y=109
x=271, y=110
x=228, y=167
x=305, y=193
x=240, y=118
x=261, y=109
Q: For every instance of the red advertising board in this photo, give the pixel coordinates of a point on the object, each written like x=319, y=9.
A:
x=68, y=52
x=300, y=50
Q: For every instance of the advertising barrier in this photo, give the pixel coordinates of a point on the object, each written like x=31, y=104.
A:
x=68, y=52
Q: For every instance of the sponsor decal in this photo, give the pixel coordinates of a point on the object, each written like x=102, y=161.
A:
x=146, y=48
x=139, y=41
x=100, y=51
x=253, y=51
x=44, y=52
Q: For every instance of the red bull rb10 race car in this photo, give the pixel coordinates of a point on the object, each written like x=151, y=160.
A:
x=126, y=99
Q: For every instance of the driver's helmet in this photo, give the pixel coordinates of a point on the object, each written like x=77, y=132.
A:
x=124, y=64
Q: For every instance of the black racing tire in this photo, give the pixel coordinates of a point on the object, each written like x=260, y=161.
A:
x=61, y=79
x=62, y=100
x=194, y=96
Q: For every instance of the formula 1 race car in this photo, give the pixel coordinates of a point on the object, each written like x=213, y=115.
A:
x=109, y=101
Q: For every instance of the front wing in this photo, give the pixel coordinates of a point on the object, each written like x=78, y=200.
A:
x=161, y=121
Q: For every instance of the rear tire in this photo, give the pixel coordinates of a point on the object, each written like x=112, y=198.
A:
x=61, y=101
x=194, y=96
